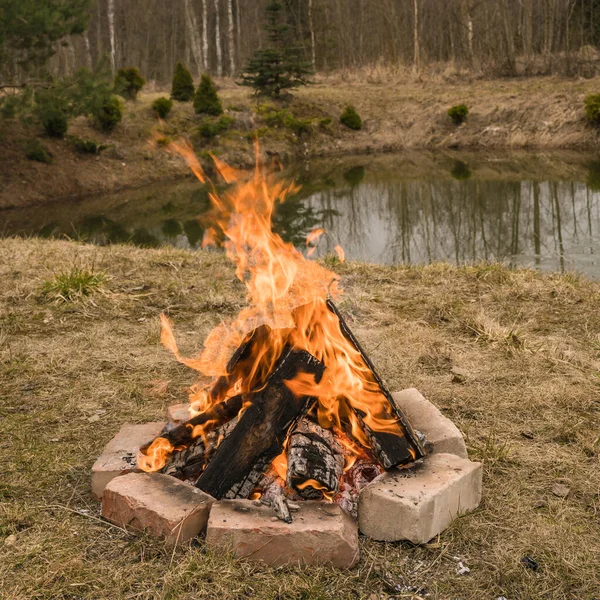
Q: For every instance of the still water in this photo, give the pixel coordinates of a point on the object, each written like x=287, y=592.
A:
x=539, y=210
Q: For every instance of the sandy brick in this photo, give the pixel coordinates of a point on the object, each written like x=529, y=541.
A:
x=158, y=504
x=418, y=503
x=119, y=455
x=321, y=533
x=442, y=435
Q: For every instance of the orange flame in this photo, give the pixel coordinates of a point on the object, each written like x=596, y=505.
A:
x=287, y=293
x=327, y=493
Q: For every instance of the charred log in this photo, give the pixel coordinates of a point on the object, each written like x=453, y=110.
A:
x=258, y=438
x=391, y=450
x=314, y=455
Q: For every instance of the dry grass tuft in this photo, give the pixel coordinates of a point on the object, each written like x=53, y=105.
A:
x=72, y=372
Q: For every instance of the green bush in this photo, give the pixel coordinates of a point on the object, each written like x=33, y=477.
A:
x=592, y=109
x=35, y=150
x=162, y=106
x=108, y=114
x=182, y=85
x=206, y=99
x=85, y=146
x=128, y=82
x=8, y=107
x=55, y=123
x=211, y=128
x=458, y=114
x=350, y=118
x=298, y=126
x=325, y=124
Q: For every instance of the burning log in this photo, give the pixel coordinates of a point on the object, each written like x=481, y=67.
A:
x=390, y=449
x=315, y=460
x=189, y=462
x=183, y=435
x=258, y=438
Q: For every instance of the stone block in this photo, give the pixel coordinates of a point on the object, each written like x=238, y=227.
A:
x=442, y=435
x=120, y=454
x=418, y=503
x=321, y=533
x=158, y=504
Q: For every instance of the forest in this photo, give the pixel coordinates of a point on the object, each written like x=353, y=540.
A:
x=491, y=37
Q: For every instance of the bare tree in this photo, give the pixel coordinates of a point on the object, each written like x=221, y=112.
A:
x=205, y=34
x=313, y=52
x=218, y=41
x=193, y=36
x=231, y=37
x=111, y=33
x=417, y=49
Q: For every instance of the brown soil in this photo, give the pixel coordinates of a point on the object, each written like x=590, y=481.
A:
x=71, y=373
x=543, y=113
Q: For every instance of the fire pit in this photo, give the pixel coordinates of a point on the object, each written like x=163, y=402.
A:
x=296, y=439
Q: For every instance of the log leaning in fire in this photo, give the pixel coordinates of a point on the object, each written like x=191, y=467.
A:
x=390, y=449
x=219, y=414
x=313, y=454
x=258, y=438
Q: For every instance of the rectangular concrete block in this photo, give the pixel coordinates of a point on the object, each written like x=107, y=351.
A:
x=120, y=454
x=321, y=533
x=419, y=502
x=158, y=504
x=442, y=435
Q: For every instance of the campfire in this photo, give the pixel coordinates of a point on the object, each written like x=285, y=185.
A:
x=290, y=441
x=294, y=409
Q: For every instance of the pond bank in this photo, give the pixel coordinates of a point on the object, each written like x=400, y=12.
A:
x=543, y=113
x=72, y=373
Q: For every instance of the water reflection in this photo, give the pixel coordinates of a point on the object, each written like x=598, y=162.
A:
x=456, y=209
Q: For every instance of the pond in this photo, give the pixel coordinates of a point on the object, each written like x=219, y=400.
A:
x=524, y=208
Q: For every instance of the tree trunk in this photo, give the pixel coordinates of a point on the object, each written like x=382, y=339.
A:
x=205, y=34
x=218, y=40
x=192, y=29
x=313, y=52
x=231, y=37
x=88, y=53
x=416, y=48
x=111, y=33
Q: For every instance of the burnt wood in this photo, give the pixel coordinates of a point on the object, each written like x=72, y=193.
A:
x=313, y=453
x=217, y=415
x=239, y=462
x=390, y=450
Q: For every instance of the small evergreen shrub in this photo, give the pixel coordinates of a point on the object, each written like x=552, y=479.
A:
x=162, y=107
x=182, y=85
x=55, y=122
x=297, y=126
x=108, y=114
x=35, y=150
x=206, y=99
x=350, y=118
x=458, y=114
x=128, y=82
x=592, y=109
x=210, y=128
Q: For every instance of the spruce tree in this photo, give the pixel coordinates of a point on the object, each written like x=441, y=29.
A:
x=280, y=66
x=182, y=86
x=206, y=100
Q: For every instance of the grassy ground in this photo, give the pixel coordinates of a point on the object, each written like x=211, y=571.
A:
x=72, y=372
x=398, y=114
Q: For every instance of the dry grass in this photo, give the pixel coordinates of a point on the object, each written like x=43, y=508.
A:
x=72, y=372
